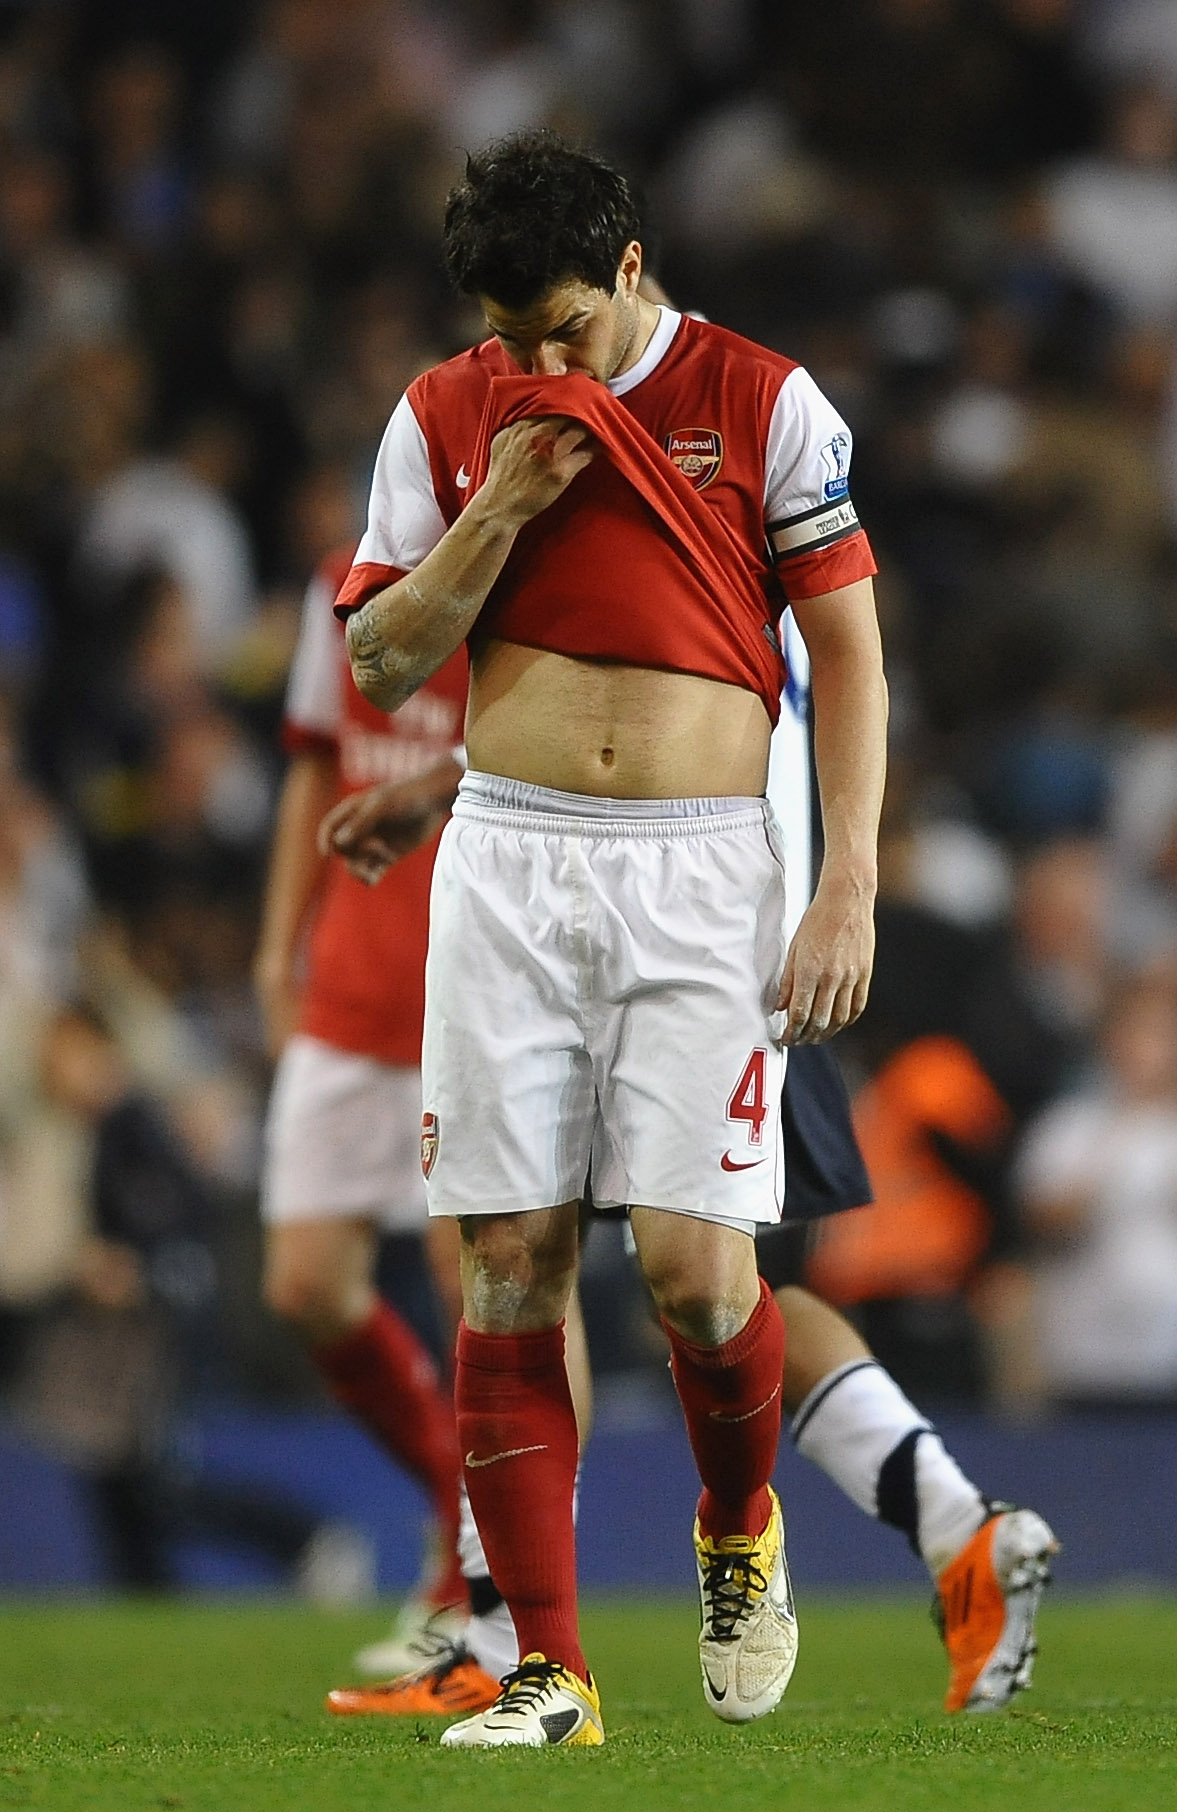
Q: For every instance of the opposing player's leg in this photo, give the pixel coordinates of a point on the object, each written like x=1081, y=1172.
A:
x=990, y=1562
x=341, y=1160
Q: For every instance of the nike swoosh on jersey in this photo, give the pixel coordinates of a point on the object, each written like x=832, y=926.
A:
x=727, y=1162
x=510, y=1453
x=463, y=478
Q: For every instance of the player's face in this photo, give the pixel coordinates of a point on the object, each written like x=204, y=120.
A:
x=573, y=327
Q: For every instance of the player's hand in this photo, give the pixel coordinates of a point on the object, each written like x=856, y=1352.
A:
x=828, y=969
x=533, y=462
x=374, y=829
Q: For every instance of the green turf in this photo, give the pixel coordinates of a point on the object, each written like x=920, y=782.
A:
x=216, y=1709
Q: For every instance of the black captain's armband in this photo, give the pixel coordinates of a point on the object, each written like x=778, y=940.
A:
x=813, y=530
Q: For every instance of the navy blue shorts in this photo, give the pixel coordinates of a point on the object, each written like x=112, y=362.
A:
x=824, y=1171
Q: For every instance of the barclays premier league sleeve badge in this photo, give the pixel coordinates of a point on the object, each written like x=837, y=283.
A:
x=835, y=457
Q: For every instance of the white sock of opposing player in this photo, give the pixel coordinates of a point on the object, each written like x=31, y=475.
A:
x=858, y=1426
x=490, y=1634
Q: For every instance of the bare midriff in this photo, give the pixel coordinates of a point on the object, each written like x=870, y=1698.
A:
x=613, y=731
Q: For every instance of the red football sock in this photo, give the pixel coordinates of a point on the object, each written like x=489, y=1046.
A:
x=731, y=1397
x=517, y=1429
x=383, y=1374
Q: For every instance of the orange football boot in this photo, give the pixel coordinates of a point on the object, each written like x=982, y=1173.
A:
x=453, y=1688
x=988, y=1600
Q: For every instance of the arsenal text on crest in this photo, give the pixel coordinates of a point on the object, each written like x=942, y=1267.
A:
x=697, y=452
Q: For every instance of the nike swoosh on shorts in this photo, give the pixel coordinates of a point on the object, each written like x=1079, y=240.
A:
x=727, y=1162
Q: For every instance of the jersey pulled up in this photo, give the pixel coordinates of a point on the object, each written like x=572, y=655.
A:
x=365, y=983
x=720, y=491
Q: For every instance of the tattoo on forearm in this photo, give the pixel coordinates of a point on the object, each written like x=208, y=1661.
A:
x=382, y=673
x=386, y=670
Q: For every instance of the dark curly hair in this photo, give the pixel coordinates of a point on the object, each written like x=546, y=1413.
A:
x=532, y=213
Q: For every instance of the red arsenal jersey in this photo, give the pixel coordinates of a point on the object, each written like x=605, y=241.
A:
x=366, y=953
x=746, y=429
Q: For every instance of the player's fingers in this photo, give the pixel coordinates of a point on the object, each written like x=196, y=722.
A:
x=330, y=824
x=573, y=451
x=821, y=1010
x=797, y=1012
x=573, y=436
x=841, y=1010
x=858, y=999
x=364, y=822
x=365, y=867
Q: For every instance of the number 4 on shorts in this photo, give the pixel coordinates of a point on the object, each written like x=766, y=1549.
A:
x=748, y=1101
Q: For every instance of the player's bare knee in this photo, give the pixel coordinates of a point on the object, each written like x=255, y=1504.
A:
x=517, y=1271
x=319, y=1306
x=698, y=1312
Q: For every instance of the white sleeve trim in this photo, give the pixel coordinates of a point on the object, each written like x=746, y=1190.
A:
x=806, y=464
x=404, y=522
x=788, y=784
x=314, y=691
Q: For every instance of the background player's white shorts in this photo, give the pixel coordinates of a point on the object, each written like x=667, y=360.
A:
x=601, y=990
x=343, y=1137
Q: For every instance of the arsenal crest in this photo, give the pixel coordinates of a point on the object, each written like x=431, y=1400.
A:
x=697, y=452
x=430, y=1134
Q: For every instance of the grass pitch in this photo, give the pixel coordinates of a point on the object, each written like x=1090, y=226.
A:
x=216, y=1708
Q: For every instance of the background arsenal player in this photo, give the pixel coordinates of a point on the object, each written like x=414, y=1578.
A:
x=574, y=937
x=341, y=981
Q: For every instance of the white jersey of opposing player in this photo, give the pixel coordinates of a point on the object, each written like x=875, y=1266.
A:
x=788, y=785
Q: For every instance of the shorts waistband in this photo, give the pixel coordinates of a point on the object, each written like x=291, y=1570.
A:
x=493, y=798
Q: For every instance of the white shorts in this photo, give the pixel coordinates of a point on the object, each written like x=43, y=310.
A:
x=343, y=1137
x=600, y=1005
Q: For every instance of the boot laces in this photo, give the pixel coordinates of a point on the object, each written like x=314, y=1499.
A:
x=731, y=1585
x=525, y=1685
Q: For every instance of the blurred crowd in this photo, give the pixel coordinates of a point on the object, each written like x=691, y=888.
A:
x=219, y=267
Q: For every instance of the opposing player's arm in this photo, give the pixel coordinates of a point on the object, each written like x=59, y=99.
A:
x=292, y=883
x=827, y=973
x=401, y=635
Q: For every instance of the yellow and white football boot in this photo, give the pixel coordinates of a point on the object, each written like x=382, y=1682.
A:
x=541, y=1705
x=748, y=1642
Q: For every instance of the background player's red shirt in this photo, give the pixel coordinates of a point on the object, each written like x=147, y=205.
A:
x=365, y=987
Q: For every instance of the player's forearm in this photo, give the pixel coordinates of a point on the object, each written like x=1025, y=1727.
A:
x=296, y=866
x=400, y=637
x=850, y=732
x=436, y=789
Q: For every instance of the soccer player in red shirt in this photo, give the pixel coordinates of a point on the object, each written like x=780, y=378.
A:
x=608, y=982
